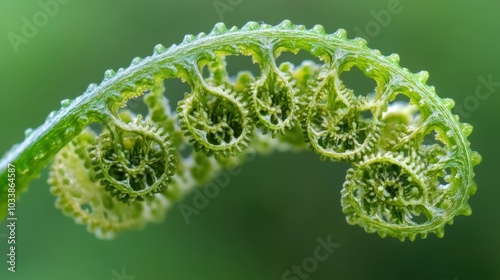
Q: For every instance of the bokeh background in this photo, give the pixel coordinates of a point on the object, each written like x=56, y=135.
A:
x=270, y=215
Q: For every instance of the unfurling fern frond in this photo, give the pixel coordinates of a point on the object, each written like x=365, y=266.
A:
x=412, y=167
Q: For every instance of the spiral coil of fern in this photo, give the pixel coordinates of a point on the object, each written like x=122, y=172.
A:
x=424, y=185
x=133, y=161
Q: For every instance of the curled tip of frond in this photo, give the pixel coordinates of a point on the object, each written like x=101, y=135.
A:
x=80, y=196
x=134, y=161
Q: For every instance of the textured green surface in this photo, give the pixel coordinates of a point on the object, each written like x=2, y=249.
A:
x=134, y=159
x=263, y=209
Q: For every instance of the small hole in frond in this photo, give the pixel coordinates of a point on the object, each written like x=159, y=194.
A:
x=86, y=207
x=136, y=105
x=366, y=115
x=432, y=138
x=419, y=218
x=174, y=91
x=401, y=108
x=296, y=59
x=238, y=63
x=205, y=72
x=356, y=192
x=444, y=178
x=401, y=98
x=357, y=81
x=98, y=128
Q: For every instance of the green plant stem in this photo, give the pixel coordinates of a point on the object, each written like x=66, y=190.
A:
x=262, y=42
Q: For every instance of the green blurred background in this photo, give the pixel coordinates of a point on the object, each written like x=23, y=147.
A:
x=271, y=214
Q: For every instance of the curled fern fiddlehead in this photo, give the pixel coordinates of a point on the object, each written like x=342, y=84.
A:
x=334, y=123
x=81, y=197
x=275, y=96
x=393, y=191
x=412, y=168
x=133, y=161
x=215, y=119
